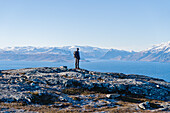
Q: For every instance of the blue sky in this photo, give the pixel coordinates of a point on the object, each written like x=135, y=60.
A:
x=122, y=24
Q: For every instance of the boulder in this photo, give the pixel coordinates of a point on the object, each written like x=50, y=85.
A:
x=112, y=96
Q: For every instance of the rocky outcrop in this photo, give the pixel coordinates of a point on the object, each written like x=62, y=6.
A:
x=48, y=85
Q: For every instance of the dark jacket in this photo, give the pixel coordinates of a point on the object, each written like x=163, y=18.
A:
x=76, y=55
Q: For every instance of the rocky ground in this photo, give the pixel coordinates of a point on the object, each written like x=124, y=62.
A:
x=52, y=89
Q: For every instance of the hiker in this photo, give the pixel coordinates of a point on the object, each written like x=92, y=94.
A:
x=77, y=58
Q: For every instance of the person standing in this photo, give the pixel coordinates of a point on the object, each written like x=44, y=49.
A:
x=77, y=58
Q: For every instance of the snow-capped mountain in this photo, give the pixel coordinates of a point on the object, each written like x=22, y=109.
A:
x=114, y=54
x=85, y=48
x=163, y=47
x=50, y=53
x=87, y=51
x=36, y=50
x=30, y=53
x=158, y=53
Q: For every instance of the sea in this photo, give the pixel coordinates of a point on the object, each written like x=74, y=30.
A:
x=152, y=69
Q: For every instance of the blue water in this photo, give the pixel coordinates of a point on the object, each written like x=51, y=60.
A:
x=152, y=69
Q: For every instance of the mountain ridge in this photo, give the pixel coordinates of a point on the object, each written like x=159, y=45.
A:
x=157, y=53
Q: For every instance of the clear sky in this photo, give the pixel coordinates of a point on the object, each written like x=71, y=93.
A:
x=122, y=24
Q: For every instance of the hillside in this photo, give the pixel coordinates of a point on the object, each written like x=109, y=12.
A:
x=58, y=89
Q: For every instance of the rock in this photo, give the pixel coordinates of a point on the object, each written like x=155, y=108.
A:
x=33, y=84
x=71, y=83
x=43, y=98
x=112, y=96
x=151, y=106
x=63, y=67
x=44, y=85
x=62, y=99
x=144, y=105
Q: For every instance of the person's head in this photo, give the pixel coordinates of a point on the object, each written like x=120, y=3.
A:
x=77, y=49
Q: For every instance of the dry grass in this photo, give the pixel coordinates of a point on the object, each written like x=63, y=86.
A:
x=41, y=109
x=76, y=91
x=123, y=105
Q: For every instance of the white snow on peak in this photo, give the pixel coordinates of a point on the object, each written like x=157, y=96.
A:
x=164, y=47
x=26, y=48
x=84, y=48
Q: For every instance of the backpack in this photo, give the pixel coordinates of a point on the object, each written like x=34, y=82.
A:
x=75, y=54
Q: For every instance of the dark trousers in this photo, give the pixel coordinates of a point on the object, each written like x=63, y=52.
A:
x=76, y=63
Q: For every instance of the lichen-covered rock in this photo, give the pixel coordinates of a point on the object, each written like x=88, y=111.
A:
x=112, y=96
x=153, y=107
x=21, y=85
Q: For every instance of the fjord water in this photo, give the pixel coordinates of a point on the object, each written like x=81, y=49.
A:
x=152, y=69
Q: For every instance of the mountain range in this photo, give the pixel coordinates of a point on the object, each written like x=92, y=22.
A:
x=157, y=53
